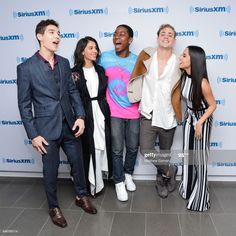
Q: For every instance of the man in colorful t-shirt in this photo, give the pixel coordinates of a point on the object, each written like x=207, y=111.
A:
x=118, y=64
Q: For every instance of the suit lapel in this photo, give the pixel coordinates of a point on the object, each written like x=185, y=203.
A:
x=62, y=76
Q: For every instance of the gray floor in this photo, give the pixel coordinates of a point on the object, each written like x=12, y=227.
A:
x=23, y=211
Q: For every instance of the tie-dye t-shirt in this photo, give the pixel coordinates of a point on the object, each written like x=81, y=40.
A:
x=118, y=71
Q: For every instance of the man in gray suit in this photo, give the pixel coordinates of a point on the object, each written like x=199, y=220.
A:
x=52, y=114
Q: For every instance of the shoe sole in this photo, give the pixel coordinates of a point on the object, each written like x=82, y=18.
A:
x=122, y=200
x=62, y=226
x=82, y=207
x=130, y=190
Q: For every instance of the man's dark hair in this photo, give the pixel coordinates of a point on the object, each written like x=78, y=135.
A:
x=41, y=26
x=129, y=30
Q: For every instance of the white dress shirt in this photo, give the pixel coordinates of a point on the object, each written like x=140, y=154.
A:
x=156, y=95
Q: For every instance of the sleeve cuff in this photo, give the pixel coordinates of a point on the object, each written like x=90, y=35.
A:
x=80, y=117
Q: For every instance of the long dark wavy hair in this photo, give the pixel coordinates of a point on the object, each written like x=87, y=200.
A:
x=198, y=72
x=78, y=53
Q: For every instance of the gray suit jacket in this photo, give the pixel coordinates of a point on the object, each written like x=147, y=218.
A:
x=42, y=103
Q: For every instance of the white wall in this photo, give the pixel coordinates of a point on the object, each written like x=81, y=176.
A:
x=210, y=24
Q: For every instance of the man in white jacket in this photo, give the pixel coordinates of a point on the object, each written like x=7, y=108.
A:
x=155, y=83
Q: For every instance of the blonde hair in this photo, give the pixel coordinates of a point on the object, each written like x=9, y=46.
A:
x=163, y=26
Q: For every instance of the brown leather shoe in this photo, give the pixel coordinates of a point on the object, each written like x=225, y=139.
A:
x=86, y=205
x=57, y=217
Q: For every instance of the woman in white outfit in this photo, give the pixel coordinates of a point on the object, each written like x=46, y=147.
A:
x=91, y=82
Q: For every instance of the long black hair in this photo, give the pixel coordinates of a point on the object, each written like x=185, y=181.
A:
x=198, y=72
x=78, y=53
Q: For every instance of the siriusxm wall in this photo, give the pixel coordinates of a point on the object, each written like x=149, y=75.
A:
x=210, y=24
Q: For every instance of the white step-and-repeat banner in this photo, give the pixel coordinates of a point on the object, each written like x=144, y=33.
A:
x=209, y=24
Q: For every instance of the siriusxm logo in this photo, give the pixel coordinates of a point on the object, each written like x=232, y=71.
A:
x=135, y=10
x=225, y=123
x=223, y=164
x=217, y=57
x=99, y=11
x=21, y=59
x=70, y=35
x=8, y=81
x=17, y=161
x=11, y=122
x=31, y=14
x=216, y=144
x=227, y=33
x=12, y=37
x=226, y=80
x=110, y=34
x=220, y=101
x=27, y=142
x=188, y=33
x=105, y=34
x=223, y=9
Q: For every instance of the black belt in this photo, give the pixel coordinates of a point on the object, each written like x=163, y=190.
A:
x=96, y=98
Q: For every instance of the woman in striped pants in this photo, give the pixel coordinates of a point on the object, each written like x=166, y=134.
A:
x=197, y=93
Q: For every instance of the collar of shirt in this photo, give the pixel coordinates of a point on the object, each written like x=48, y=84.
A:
x=47, y=62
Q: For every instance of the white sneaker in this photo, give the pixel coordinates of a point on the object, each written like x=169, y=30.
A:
x=130, y=185
x=121, y=192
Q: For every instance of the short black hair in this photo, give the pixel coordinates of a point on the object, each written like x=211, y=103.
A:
x=41, y=26
x=129, y=30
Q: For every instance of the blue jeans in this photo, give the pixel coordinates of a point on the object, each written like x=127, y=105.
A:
x=124, y=131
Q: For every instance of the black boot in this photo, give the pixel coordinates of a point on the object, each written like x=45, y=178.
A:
x=171, y=178
x=161, y=186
